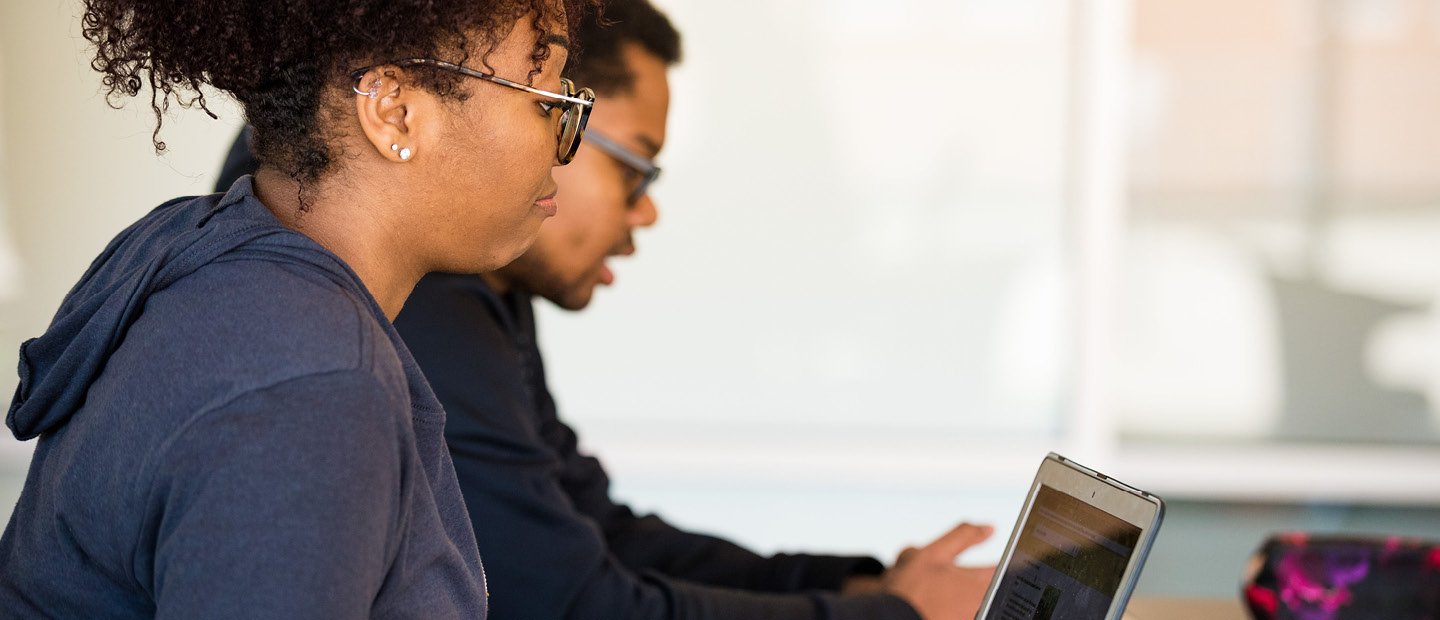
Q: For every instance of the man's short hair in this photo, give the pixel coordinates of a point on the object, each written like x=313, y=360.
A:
x=602, y=37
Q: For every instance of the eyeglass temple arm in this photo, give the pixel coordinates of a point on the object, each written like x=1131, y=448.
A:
x=623, y=154
x=360, y=73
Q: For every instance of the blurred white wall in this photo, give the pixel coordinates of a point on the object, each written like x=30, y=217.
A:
x=838, y=313
x=9, y=261
x=846, y=211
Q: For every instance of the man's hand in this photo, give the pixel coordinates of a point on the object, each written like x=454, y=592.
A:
x=863, y=584
x=929, y=580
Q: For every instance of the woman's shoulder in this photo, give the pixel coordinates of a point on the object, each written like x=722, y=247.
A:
x=261, y=322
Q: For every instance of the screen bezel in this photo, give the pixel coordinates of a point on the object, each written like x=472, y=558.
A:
x=1124, y=502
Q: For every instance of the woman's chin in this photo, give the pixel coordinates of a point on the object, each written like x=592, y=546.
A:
x=501, y=257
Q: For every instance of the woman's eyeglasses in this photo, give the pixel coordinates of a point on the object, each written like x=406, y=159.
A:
x=642, y=165
x=574, y=105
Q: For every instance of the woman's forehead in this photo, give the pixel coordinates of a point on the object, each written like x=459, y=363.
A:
x=517, y=50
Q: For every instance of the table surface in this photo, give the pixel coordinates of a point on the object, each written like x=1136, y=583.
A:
x=1185, y=609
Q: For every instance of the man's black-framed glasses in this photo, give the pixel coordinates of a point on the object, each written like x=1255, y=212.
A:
x=642, y=165
x=574, y=105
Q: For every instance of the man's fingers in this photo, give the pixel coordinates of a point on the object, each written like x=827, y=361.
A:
x=956, y=541
x=984, y=573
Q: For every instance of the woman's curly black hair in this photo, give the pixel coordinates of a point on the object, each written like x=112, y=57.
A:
x=280, y=58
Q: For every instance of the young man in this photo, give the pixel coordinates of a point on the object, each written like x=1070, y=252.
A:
x=554, y=543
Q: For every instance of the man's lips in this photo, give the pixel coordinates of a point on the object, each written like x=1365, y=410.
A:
x=607, y=277
x=626, y=248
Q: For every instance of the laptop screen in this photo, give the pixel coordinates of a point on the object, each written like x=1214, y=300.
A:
x=1068, y=561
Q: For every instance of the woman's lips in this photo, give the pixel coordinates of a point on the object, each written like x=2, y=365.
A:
x=548, y=205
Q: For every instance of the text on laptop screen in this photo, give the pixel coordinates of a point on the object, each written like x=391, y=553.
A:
x=1067, y=563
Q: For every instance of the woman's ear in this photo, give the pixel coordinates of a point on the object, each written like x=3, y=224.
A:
x=386, y=105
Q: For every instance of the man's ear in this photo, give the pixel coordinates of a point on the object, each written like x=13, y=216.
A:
x=386, y=104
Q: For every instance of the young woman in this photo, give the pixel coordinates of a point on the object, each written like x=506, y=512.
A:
x=228, y=425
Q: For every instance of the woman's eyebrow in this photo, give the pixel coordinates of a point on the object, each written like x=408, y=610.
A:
x=555, y=39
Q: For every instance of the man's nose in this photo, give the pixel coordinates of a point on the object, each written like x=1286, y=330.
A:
x=643, y=213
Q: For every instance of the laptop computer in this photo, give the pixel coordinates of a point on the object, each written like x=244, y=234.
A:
x=1077, y=549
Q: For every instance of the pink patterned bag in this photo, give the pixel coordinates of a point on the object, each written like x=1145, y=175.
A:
x=1301, y=577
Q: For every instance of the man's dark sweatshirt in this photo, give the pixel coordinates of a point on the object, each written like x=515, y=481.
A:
x=229, y=427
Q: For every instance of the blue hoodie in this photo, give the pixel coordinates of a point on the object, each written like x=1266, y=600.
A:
x=229, y=427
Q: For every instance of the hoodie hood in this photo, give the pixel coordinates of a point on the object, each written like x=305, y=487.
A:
x=173, y=241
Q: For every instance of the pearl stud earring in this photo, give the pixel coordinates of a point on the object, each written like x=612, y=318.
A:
x=405, y=154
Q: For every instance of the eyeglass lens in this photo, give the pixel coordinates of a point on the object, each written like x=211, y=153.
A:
x=573, y=118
